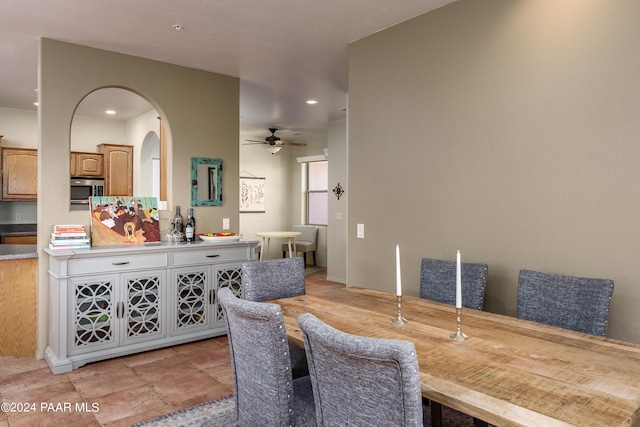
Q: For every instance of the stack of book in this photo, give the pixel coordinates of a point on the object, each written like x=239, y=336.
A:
x=70, y=236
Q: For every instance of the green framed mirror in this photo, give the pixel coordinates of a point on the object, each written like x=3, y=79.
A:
x=206, y=181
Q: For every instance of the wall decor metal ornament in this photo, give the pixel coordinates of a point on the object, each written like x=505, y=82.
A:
x=338, y=191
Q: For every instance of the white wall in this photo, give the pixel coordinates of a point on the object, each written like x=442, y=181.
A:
x=276, y=169
x=284, y=195
x=19, y=129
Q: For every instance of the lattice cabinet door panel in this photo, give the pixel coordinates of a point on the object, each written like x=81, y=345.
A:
x=227, y=276
x=144, y=306
x=93, y=313
x=191, y=299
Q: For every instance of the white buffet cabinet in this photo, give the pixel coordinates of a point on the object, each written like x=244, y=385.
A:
x=111, y=301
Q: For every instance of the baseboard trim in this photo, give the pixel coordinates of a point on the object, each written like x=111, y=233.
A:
x=336, y=279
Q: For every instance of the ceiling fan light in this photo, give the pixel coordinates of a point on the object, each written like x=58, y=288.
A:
x=273, y=150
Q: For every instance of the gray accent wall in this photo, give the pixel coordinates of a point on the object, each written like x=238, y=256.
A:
x=508, y=130
x=201, y=114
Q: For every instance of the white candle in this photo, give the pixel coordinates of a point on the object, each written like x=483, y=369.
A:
x=458, y=283
x=398, y=279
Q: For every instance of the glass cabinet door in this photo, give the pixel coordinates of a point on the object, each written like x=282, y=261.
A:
x=191, y=294
x=93, y=310
x=144, y=306
x=229, y=276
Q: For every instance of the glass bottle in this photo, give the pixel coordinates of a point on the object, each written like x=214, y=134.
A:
x=190, y=229
x=177, y=222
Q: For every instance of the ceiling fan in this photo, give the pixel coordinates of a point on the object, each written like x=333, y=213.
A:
x=275, y=143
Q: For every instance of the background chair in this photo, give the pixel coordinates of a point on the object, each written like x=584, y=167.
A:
x=438, y=282
x=361, y=381
x=264, y=390
x=576, y=303
x=275, y=279
x=305, y=243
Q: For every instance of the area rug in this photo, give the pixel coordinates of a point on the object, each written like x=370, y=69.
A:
x=222, y=413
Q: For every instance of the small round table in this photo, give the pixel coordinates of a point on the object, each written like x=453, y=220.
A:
x=267, y=235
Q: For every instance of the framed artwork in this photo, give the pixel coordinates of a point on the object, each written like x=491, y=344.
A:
x=206, y=181
x=252, y=194
x=119, y=220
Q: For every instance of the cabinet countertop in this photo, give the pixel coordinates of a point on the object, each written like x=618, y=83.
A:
x=110, y=250
x=9, y=252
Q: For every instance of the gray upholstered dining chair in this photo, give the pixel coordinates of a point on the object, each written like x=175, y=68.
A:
x=577, y=303
x=305, y=243
x=361, y=381
x=264, y=391
x=275, y=279
x=438, y=282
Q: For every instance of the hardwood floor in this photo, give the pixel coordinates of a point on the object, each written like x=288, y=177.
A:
x=122, y=391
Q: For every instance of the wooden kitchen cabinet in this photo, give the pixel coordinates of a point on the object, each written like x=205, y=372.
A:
x=118, y=169
x=18, y=307
x=20, y=240
x=86, y=165
x=19, y=174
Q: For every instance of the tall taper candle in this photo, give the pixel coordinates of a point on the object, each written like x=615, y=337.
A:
x=398, y=279
x=458, y=283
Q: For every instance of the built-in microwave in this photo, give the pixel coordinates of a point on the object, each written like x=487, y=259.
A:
x=82, y=189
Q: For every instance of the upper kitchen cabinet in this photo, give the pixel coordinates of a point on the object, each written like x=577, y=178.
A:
x=86, y=165
x=19, y=174
x=118, y=169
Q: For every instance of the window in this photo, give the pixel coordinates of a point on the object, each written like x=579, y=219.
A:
x=317, y=192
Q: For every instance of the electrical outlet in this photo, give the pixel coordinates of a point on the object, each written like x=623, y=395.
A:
x=18, y=216
x=360, y=231
x=225, y=223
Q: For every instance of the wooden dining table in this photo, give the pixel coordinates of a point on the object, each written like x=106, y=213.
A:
x=509, y=372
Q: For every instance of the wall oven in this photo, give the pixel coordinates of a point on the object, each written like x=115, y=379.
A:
x=82, y=189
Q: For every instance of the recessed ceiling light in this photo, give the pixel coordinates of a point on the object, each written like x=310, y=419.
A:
x=312, y=102
x=177, y=27
x=35, y=103
x=110, y=112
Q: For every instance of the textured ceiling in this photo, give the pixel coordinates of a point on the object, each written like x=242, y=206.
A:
x=284, y=51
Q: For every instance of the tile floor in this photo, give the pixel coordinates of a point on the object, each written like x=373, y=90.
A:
x=122, y=391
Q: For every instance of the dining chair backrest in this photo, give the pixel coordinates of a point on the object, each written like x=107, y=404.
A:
x=438, y=282
x=361, y=381
x=308, y=233
x=264, y=391
x=306, y=242
x=576, y=303
x=275, y=279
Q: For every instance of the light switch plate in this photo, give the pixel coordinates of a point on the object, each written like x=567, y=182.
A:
x=360, y=231
x=225, y=223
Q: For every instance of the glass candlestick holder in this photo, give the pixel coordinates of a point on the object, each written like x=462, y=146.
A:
x=399, y=320
x=458, y=335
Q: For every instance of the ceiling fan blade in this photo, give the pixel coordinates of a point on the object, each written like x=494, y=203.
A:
x=256, y=141
x=291, y=143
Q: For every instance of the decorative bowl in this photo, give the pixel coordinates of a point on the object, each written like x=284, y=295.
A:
x=219, y=237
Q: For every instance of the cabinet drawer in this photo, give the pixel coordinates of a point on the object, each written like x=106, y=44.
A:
x=116, y=263
x=208, y=256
